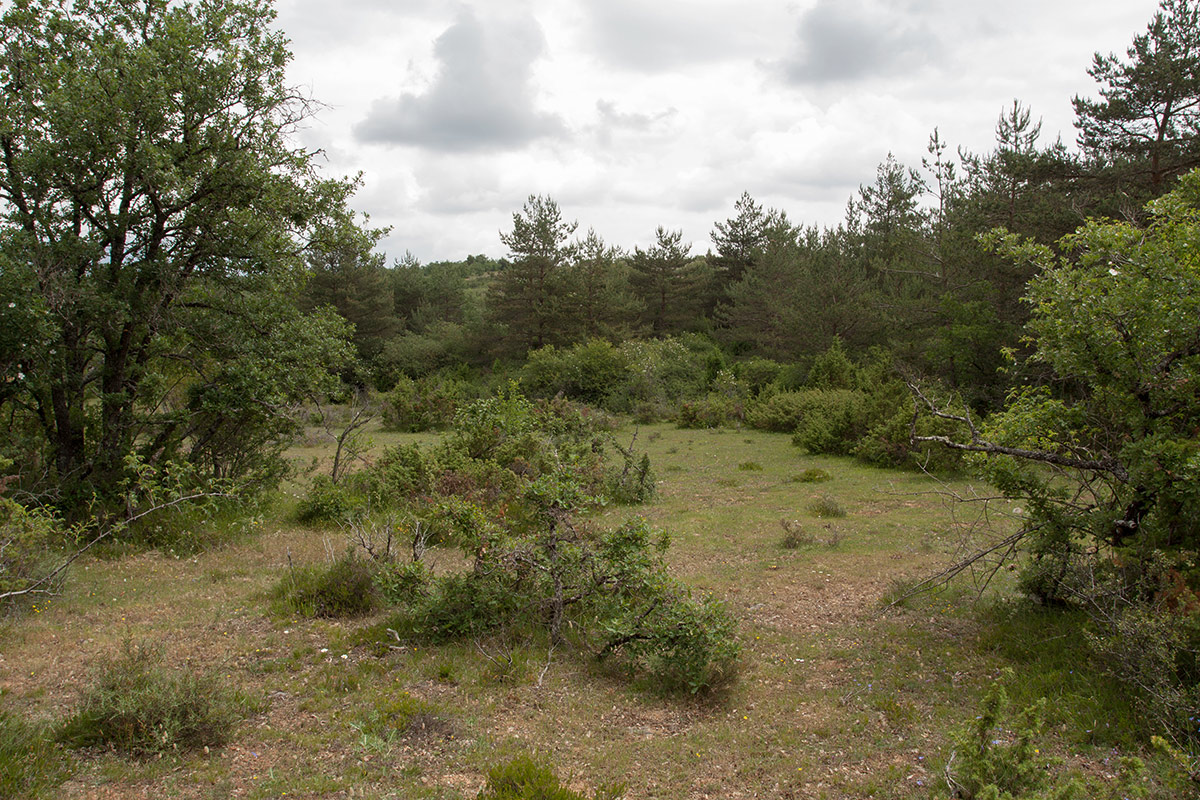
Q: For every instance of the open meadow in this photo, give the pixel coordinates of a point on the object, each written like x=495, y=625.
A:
x=836, y=695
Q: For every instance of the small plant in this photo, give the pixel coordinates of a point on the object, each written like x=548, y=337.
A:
x=750, y=466
x=139, y=706
x=811, y=475
x=29, y=765
x=826, y=507
x=526, y=779
x=794, y=535
x=990, y=762
x=345, y=588
x=405, y=717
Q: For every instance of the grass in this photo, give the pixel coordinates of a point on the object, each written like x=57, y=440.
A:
x=836, y=698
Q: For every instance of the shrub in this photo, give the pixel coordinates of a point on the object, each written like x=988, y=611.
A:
x=589, y=372
x=29, y=762
x=525, y=779
x=833, y=421
x=811, y=475
x=426, y=403
x=711, y=411
x=325, y=501
x=401, y=583
x=26, y=539
x=139, y=706
x=344, y=588
x=680, y=642
x=992, y=763
x=826, y=506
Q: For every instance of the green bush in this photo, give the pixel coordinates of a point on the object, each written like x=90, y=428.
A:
x=139, y=706
x=344, y=588
x=680, y=643
x=526, y=779
x=326, y=501
x=711, y=411
x=27, y=538
x=833, y=421
x=992, y=763
x=401, y=583
x=826, y=506
x=589, y=372
x=30, y=765
x=811, y=475
x=426, y=403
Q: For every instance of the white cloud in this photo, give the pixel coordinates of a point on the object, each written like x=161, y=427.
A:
x=481, y=98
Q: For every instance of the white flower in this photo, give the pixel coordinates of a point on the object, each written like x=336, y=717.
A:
x=1112, y=271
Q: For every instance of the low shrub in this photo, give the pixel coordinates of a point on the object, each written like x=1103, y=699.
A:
x=326, y=501
x=402, y=584
x=344, y=588
x=526, y=779
x=30, y=765
x=426, y=403
x=139, y=706
x=997, y=758
x=833, y=421
x=27, y=539
x=811, y=475
x=825, y=507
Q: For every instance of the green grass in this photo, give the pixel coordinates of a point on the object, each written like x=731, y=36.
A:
x=836, y=697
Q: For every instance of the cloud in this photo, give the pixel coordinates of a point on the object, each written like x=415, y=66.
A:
x=837, y=43
x=482, y=98
x=653, y=36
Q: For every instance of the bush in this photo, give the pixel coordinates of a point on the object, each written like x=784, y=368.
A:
x=401, y=584
x=345, y=588
x=826, y=506
x=680, y=642
x=993, y=764
x=589, y=372
x=326, y=501
x=525, y=779
x=29, y=763
x=139, y=706
x=426, y=403
x=833, y=421
x=26, y=539
x=811, y=475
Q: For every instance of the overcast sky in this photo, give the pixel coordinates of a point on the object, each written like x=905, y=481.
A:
x=638, y=113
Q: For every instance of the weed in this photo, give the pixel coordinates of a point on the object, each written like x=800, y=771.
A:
x=139, y=706
x=29, y=763
x=826, y=507
x=405, y=717
x=794, y=535
x=750, y=466
x=525, y=779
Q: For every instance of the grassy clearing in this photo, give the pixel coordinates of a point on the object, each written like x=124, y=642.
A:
x=836, y=698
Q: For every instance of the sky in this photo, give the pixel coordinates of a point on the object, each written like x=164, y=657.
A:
x=634, y=114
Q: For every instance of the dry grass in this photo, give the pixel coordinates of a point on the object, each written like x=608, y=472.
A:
x=836, y=699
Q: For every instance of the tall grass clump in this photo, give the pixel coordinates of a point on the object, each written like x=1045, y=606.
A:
x=138, y=705
x=30, y=765
x=526, y=779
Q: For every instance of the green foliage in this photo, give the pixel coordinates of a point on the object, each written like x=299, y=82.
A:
x=993, y=763
x=591, y=372
x=526, y=779
x=812, y=475
x=401, y=584
x=826, y=507
x=681, y=642
x=1117, y=323
x=425, y=403
x=343, y=588
x=325, y=501
x=138, y=337
x=833, y=421
x=30, y=765
x=27, y=539
x=138, y=705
